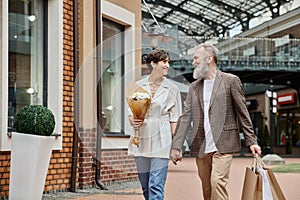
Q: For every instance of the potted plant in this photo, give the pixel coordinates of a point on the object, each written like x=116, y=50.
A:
x=31, y=150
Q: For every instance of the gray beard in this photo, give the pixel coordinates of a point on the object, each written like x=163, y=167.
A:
x=200, y=71
x=197, y=73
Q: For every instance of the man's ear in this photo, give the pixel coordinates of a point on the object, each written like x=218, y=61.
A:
x=209, y=59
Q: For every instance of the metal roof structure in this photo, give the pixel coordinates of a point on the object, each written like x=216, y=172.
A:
x=207, y=18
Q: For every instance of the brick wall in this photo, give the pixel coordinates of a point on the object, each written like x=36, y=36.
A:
x=87, y=153
x=4, y=173
x=59, y=172
x=116, y=165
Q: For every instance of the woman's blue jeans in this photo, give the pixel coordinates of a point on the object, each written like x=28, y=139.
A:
x=152, y=174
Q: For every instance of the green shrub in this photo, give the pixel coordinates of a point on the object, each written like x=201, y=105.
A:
x=36, y=120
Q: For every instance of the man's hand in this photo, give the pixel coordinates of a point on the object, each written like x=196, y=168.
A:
x=175, y=156
x=255, y=149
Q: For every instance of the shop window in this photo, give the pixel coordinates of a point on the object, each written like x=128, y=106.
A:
x=113, y=71
x=26, y=83
x=288, y=134
x=296, y=131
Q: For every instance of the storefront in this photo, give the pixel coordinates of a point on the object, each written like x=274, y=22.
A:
x=282, y=134
x=288, y=123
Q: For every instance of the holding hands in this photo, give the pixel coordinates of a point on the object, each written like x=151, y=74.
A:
x=175, y=156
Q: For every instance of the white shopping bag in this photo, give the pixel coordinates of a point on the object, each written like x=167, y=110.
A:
x=266, y=188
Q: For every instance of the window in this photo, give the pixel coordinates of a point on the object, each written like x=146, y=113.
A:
x=125, y=18
x=288, y=133
x=113, y=70
x=24, y=49
x=25, y=55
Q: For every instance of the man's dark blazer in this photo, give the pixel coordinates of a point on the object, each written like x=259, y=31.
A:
x=228, y=116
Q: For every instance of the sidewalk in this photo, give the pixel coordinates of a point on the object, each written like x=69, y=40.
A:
x=183, y=183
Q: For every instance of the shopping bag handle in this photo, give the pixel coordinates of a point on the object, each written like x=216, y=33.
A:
x=253, y=165
x=260, y=162
x=257, y=162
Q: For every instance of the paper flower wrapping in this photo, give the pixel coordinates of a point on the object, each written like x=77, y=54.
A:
x=139, y=101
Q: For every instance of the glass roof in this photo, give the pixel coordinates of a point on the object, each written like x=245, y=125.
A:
x=207, y=18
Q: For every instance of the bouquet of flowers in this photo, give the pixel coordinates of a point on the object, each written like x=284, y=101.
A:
x=139, y=101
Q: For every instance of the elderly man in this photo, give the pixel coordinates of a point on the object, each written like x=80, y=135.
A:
x=216, y=107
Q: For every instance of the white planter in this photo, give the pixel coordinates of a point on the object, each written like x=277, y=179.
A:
x=30, y=157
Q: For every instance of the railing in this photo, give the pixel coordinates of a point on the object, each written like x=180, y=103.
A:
x=239, y=64
x=258, y=63
x=274, y=54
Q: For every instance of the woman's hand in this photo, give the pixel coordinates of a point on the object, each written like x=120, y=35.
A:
x=135, y=123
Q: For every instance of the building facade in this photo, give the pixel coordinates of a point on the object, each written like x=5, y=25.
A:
x=38, y=67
